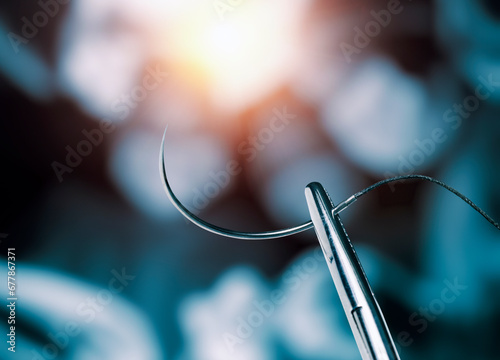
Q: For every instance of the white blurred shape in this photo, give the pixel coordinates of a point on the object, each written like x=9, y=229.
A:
x=118, y=331
x=134, y=169
x=209, y=319
x=311, y=323
x=375, y=117
x=101, y=53
x=283, y=193
x=239, y=59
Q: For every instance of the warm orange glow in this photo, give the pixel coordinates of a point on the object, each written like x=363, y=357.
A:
x=241, y=57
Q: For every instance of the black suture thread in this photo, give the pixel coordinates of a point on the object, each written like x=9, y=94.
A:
x=432, y=180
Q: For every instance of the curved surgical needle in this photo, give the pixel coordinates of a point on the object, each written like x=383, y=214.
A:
x=297, y=229
x=365, y=317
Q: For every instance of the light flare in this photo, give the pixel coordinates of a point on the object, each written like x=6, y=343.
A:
x=239, y=59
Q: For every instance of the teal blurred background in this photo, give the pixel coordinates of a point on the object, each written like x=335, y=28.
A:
x=260, y=98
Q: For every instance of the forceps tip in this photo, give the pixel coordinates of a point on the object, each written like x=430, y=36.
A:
x=315, y=191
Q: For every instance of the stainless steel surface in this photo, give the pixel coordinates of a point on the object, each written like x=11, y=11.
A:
x=216, y=229
x=362, y=310
x=267, y=235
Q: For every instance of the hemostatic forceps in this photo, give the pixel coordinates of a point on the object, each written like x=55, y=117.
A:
x=363, y=312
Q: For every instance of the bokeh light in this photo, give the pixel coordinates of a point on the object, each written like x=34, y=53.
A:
x=260, y=98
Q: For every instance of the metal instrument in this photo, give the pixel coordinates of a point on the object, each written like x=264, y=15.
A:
x=362, y=310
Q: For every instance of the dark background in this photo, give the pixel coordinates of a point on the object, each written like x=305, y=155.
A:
x=354, y=120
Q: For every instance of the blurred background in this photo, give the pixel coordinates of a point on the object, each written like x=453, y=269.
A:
x=260, y=98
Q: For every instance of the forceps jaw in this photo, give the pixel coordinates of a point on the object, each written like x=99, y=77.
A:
x=363, y=313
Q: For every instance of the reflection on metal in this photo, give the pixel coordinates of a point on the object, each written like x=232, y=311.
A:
x=365, y=317
x=267, y=235
x=216, y=229
x=363, y=312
